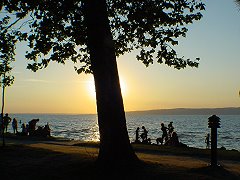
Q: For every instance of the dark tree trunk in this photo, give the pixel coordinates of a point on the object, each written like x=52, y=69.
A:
x=3, y=127
x=115, y=147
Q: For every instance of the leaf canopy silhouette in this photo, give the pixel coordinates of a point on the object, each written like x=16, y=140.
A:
x=56, y=31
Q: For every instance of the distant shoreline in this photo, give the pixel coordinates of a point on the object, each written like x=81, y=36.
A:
x=174, y=111
x=192, y=111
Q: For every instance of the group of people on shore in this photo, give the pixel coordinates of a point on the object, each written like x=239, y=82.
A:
x=26, y=129
x=143, y=135
x=169, y=136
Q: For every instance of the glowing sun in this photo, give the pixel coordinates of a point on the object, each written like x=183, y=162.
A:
x=92, y=92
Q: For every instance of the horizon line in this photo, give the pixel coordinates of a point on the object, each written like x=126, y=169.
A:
x=129, y=111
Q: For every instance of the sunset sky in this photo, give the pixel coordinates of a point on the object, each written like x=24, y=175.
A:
x=216, y=83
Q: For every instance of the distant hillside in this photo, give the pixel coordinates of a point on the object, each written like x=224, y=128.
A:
x=188, y=111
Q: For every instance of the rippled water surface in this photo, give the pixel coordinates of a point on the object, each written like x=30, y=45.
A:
x=191, y=129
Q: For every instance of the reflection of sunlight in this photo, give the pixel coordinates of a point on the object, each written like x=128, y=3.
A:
x=95, y=136
x=91, y=88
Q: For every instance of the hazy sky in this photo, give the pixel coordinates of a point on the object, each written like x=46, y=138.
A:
x=215, y=39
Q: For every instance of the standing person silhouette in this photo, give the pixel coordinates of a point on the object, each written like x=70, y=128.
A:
x=137, y=135
x=144, y=135
x=207, y=141
x=6, y=121
x=170, y=129
x=164, y=132
x=15, y=125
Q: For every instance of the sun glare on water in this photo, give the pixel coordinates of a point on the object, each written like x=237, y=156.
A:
x=92, y=92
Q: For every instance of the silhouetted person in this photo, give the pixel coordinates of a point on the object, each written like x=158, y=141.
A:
x=32, y=126
x=144, y=135
x=207, y=141
x=137, y=135
x=14, y=125
x=39, y=131
x=27, y=128
x=46, y=130
x=164, y=132
x=24, y=129
x=6, y=121
x=170, y=129
x=173, y=141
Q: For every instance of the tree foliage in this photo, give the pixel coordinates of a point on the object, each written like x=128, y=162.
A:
x=7, y=55
x=56, y=31
x=238, y=2
x=5, y=72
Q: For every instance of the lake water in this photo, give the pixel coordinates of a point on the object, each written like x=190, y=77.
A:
x=191, y=129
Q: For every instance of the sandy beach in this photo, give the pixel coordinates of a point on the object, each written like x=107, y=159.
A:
x=25, y=158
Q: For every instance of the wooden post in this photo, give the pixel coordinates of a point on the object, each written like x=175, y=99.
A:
x=214, y=123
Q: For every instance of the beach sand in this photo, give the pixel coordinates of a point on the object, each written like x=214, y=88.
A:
x=62, y=159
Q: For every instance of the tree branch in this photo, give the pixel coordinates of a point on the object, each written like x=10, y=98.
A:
x=12, y=24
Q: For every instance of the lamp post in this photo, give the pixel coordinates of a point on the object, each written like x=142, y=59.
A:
x=214, y=123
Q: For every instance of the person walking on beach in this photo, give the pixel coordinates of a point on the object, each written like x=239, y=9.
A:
x=164, y=132
x=207, y=141
x=14, y=125
x=6, y=121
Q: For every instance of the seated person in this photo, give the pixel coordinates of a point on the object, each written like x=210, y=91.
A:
x=173, y=141
x=32, y=126
x=24, y=129
x=46, y=130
